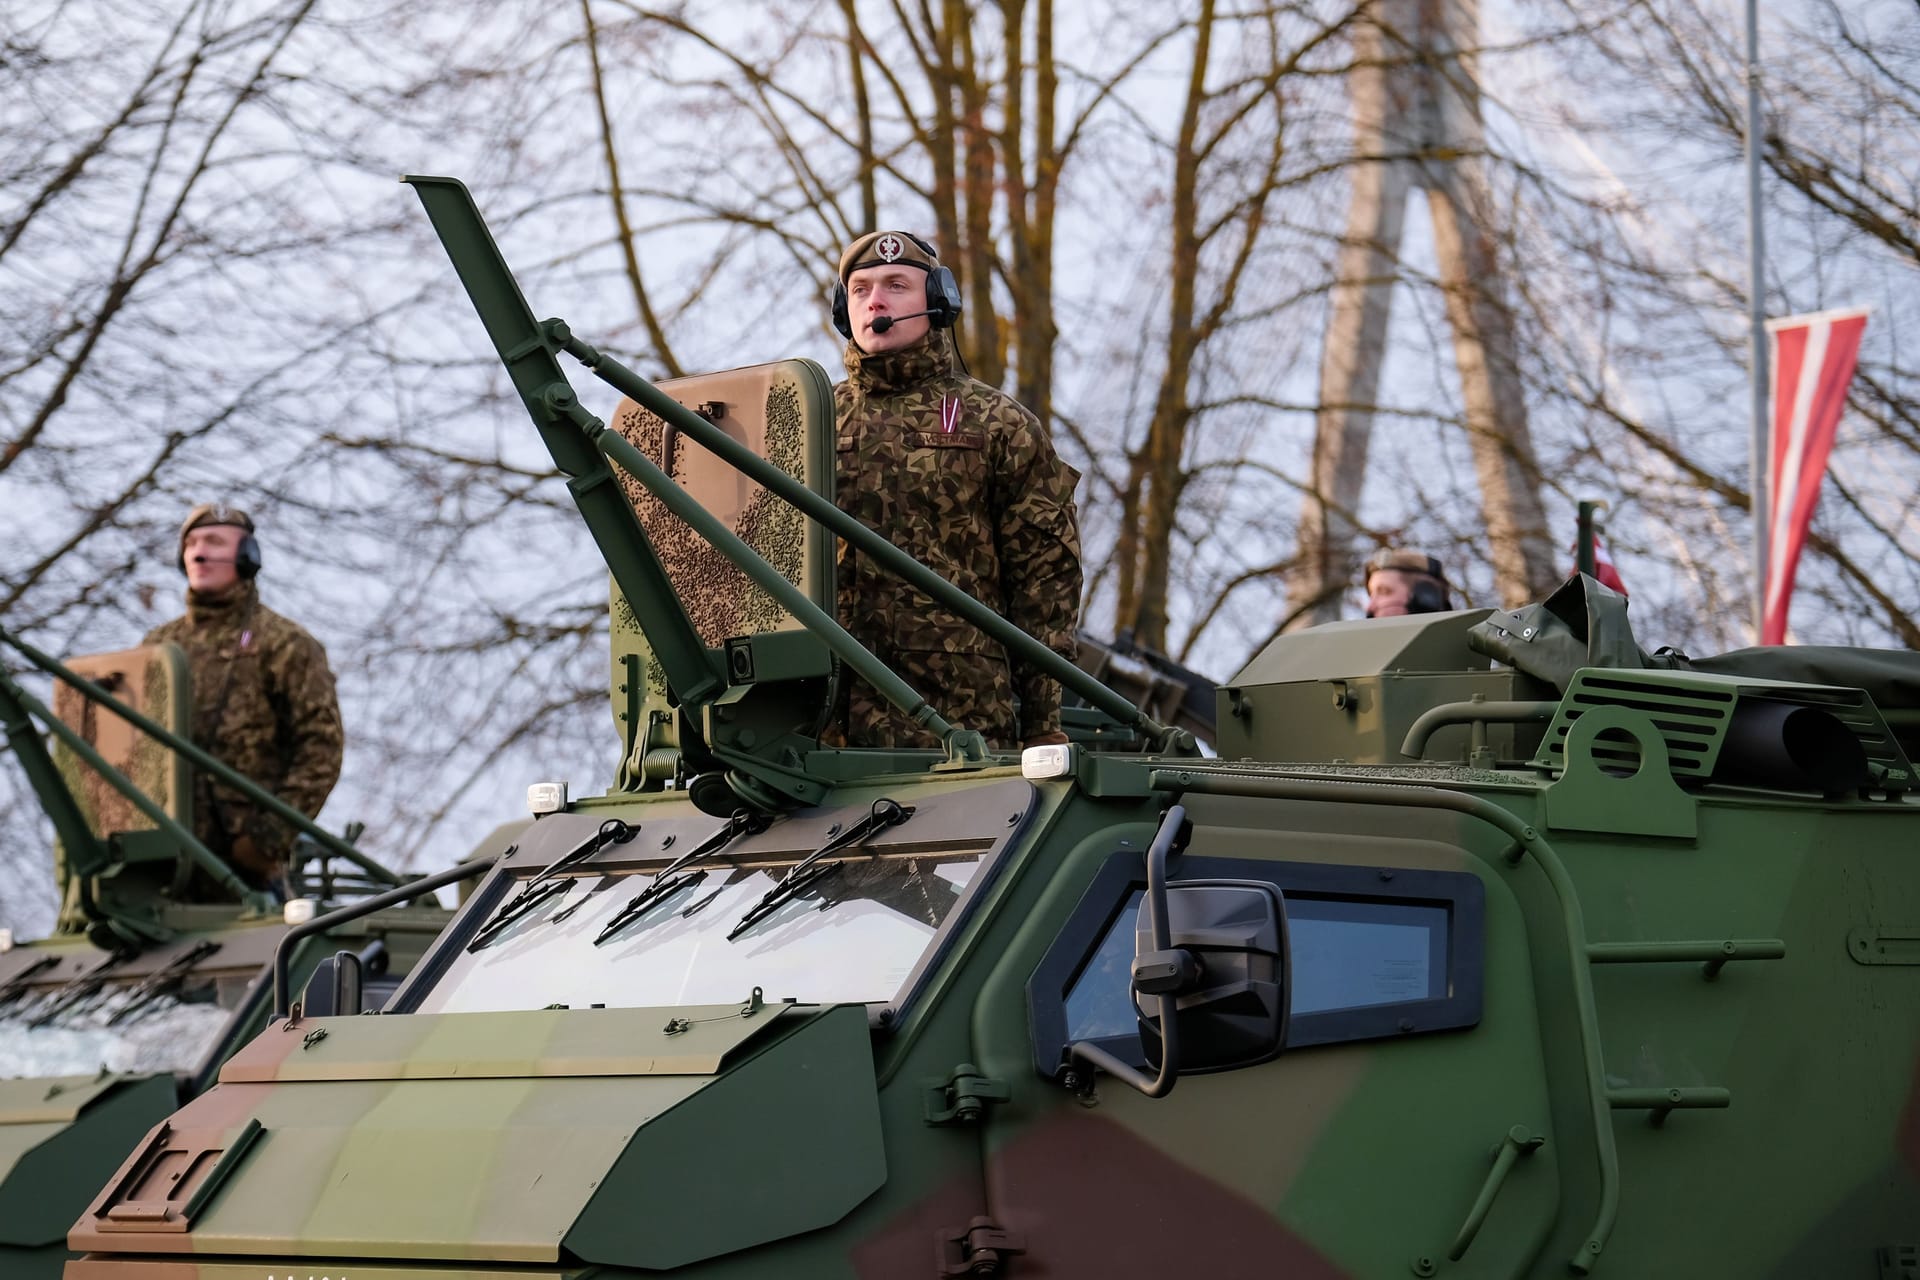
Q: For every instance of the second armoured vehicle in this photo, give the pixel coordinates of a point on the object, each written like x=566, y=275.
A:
x=161, y=965
x=1445, y=967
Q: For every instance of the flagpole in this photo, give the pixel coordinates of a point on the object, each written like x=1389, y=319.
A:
x=1758, y=479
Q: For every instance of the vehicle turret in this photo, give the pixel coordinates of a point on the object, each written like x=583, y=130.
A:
x=1352, y=691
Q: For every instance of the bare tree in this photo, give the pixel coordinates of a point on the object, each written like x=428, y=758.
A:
x=1417, y=123
x=1665, y=82
x=210, y=286
x=211, y=289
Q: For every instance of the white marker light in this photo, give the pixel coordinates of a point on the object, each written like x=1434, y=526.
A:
x=299, y=910
x=1054, y=761
x=6, y=941
x=546, y=797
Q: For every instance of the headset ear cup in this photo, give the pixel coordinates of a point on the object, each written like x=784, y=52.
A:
x=1428, y=597
x=246, y=560
x=943, y=298
x=841, y=320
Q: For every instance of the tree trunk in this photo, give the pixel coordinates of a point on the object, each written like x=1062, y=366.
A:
x=1483, y=346
x=1356, y=340
x=1172, y=410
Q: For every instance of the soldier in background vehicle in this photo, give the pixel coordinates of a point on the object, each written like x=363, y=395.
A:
x=961, y=477
x=1400, y=582
x=263, y=698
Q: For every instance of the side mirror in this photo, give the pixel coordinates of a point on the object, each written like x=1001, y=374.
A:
x=1232, y=1011
x=334, y=989
x=1209, y=973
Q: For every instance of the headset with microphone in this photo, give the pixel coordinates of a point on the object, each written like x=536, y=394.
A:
x=883, y=323
x=246, y=557
x=943, y=295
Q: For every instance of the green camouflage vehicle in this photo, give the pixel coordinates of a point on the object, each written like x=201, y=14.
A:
x=161, y=966
x=1581, y=961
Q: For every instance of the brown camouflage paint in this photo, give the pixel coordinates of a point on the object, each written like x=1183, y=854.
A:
x=512, y=1118
x=763, y=408
x=1094, y=1199
x=143, y=678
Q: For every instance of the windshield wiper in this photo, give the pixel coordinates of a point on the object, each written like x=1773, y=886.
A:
x=17, y=985
x=77, y=990
x=550, y=881
x=884, y=813
x=674, y=876
x=163, y=981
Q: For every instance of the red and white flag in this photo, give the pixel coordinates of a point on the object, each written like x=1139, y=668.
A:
x=1813, y=359
x=1603, y=566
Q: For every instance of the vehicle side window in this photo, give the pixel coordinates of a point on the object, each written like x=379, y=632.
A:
x=1100, y=1001
x=1373, y=951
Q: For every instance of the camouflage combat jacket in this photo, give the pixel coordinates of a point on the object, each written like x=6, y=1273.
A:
x=263, y=702
x=966, y=480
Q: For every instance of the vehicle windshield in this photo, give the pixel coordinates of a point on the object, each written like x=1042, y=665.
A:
x=116, y=1029
x=854, y=934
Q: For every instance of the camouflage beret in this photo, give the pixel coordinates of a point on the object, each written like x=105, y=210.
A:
x=885, y=248
x=1407, y=561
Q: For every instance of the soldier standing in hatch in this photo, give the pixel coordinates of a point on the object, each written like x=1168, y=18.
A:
x=1403, y=582
x=964, y=479
x=263, y=697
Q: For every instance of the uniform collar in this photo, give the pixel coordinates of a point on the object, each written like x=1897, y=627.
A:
x=215, y=610
x=887, y=372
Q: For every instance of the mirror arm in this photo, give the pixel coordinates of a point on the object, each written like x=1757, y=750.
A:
x=1173, y=829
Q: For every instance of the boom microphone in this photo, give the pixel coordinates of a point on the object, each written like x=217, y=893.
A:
x=883, y=323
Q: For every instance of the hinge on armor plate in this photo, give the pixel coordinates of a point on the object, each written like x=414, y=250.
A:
x=982, y=1249
x=963, y=1096
x=1899, y=1262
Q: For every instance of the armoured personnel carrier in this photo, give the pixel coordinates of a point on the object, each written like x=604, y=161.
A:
x=1580, y=961
x=161, y=965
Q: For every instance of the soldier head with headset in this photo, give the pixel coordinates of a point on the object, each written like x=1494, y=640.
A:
x=217, y=549
x=1402, y=582
x=892, y=291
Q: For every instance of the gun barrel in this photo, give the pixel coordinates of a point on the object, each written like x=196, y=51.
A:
x=581, y=447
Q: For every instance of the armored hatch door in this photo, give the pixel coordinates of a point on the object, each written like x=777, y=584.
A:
x=155, y=680
x=782, y=412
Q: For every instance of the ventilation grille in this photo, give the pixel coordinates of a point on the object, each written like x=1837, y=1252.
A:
x=1692, y=711
x=1691, y=715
